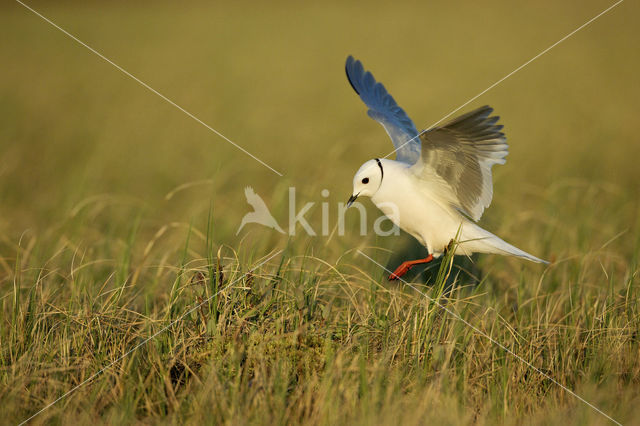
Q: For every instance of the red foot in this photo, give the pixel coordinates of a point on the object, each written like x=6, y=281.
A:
x=405, y=266
x=400, y=270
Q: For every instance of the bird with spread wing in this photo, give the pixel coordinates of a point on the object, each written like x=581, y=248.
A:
x=440, y=183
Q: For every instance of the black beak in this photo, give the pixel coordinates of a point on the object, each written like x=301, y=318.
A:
x=351, y=200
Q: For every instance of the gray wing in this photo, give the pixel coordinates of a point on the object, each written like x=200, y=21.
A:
x=460, y=155
x=384, y=109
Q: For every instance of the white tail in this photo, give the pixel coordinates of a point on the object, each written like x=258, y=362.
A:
x=476, y=239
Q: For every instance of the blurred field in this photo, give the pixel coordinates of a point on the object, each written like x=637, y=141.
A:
x=117, y=212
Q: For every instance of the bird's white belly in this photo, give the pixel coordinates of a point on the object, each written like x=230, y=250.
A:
x=429, y=222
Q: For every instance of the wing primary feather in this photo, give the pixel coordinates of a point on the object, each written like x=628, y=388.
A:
x=460, y=155
x=384, y=109
x=348, y=65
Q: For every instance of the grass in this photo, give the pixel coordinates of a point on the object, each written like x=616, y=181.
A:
x=119, y=215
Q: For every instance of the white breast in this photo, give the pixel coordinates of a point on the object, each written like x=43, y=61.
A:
x=411, y=206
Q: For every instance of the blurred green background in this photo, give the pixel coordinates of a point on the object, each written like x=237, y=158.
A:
x=76, y=133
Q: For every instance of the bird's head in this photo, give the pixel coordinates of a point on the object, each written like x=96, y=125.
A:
x=367, y=180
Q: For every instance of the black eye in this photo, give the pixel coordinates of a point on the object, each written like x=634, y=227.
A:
x=365, y=180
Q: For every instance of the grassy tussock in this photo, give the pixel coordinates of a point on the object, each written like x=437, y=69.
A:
x=301, y=339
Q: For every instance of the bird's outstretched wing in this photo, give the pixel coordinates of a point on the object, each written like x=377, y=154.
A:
x=384, y=109
x=459, y=156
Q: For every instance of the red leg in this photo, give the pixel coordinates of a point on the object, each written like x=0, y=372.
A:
x=405, y=266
